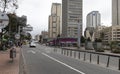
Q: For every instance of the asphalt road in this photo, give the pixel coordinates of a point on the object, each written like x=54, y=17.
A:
x=43, y=60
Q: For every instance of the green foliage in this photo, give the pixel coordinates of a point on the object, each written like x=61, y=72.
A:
x=116, y=51
x=29, y=37
x=58, y=36
x=99, y=50
x=88, y=39
x=13, y=26
x=8, y=5
x=26, y=37
x=13, y=23
x=112, y=45
x=82, y=39
x=102, y=35
x=98, y=40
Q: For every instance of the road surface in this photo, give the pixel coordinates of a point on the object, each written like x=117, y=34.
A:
x=43, y=60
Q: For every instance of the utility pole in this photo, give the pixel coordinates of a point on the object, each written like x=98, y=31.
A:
x=79, y=33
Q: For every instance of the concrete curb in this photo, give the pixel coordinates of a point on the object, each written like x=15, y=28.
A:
x=22, y=64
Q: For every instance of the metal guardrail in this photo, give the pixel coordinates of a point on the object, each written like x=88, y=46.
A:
x=66, y=51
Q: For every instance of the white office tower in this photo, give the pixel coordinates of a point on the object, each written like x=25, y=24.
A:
x=55, y=23
x=93, y=19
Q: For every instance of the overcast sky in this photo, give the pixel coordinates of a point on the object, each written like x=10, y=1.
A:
x=37, y=12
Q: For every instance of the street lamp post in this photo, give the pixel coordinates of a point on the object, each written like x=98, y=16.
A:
x=79, y=33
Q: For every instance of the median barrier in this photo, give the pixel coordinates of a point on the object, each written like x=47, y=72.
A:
x=106, y=59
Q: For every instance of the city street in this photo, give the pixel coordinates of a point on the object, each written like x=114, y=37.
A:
x=43, y=60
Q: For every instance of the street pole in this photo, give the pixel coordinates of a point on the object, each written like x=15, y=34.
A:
x=1, y=44
x=79, y=33
x=19, y=29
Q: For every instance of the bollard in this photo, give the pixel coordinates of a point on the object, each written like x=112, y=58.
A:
x=84, y=56
x=90, y=57
x=98, y=59
x=71, y=53
x=54, y=49
x=119, y=64
x=79, y=55
x=67, y=52
x=108, y=61
x=61, y=51
x=64, y=52
x=74, y=54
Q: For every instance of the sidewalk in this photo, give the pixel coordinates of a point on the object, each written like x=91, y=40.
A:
x=6, y=65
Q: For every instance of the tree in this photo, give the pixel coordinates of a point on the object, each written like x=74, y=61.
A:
x=26, y=37
x=88, y=39
x=98, y=40
x=8, y=5
x=112, y=45
x=58, y=35
x=102, y=36
x=13, y=24
x=82, y=39
x=29, y=36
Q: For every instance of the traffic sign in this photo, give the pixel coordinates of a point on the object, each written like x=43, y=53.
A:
x=28, y=28
x=17, y=36
x=4, y=20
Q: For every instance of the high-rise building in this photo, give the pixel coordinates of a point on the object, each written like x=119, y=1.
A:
x=71, y=14
x=93, y=19
x=115, y=12
x=55, y=26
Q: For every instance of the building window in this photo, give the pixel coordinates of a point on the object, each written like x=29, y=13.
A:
x=54, y=25
x=118, y=29
x=118, y=35
x=118, y=32
x=54, y=29
x=54, y=35
x=54, y=18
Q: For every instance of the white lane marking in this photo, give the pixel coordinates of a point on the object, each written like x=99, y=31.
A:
x=64, y=64
x=31, y=51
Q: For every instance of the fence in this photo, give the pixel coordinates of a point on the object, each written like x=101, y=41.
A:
x=108, y=60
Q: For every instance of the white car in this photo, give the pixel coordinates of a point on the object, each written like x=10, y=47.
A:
x=32, y=44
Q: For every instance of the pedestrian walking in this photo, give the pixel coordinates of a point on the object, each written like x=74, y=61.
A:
x=13, y=53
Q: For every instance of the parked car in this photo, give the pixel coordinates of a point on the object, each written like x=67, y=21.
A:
x=32, y=44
